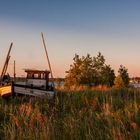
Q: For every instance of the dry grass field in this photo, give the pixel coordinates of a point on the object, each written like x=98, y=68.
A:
x=73, y=115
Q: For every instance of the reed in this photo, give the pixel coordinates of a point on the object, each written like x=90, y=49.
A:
x=73, y=114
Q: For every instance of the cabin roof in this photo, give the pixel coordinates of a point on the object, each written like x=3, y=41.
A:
x=36, y=71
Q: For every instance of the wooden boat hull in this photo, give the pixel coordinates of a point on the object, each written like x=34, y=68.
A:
x=5, y=90
x=33, y=92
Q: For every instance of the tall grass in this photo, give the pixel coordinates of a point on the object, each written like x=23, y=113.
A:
x=73, y=115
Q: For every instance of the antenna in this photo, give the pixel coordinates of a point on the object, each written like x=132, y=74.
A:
x=47, y=57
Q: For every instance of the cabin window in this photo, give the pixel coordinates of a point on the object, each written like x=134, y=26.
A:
x=36, y=76
x=29, y=75
x=42, y=76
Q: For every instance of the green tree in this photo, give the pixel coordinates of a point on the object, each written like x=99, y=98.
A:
x=89, y=70
x=98, y=64
x=123, y=72
x=80, y=72
x=108, y=76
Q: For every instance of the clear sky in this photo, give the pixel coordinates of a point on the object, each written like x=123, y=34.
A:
x=70, y=26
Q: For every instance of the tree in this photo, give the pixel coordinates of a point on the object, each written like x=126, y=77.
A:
x=80, y=72
x=123, y=72
x=108, y=76
x=89, y=70
x=98, y=64
x=118, y=82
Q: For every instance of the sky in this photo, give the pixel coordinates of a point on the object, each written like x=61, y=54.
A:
x=69, y=27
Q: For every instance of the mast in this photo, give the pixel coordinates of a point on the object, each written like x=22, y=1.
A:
x=14, y=70
x=6, y=62
x=47, y=57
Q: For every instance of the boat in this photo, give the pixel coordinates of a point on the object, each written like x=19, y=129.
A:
x=36, y=84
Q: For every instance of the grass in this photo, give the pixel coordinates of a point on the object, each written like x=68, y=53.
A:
x=73, y=115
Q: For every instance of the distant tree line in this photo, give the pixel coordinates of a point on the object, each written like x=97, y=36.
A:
x=87, y=70
x=135, y=79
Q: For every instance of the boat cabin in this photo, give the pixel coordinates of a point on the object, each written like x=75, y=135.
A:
x=37, y=78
